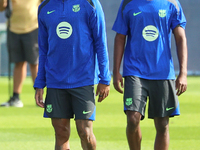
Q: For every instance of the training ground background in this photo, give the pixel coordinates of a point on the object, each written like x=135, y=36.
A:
x=25, y=128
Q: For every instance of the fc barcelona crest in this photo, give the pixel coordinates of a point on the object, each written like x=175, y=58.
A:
x=162, y=13
x=49, y=108
x=76, y=8
x=129, y=101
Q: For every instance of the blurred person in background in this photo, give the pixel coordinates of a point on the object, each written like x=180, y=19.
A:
x=22, y=43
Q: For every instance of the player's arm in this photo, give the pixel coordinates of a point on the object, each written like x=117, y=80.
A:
x=118, y=54
x=39, y=97
x=98, y=28
x=40, y=81
x=103, y=91
x=121, y=28
x=182, y=52
x=3, y=4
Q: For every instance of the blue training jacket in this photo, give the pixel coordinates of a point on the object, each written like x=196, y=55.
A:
x=72, y=44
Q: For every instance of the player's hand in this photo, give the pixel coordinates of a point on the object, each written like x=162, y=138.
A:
x=181, y=84
x=102, y=91
x=118, y=82
x=39, y=97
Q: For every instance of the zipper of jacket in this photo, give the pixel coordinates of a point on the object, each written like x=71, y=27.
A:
x=63, y=5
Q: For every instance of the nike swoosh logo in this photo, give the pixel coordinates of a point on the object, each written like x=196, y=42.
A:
x=167, y=109
x=49, y=12
x=135, y=14
x=86, y=112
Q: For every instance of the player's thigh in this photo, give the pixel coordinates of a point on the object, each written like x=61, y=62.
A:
x=60, y=124
x=83, y=101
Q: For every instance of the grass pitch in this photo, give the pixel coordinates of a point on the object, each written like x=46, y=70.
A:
x=26, y=129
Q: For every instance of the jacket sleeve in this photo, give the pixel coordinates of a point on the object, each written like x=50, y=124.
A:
x=40, y=81
x=97, y=22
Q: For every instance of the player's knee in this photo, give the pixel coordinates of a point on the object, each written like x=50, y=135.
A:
x=85, y=135
x=161, y=129
x=133, y=120
x=132, y=124
x=162, y=125
x=61, y=131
